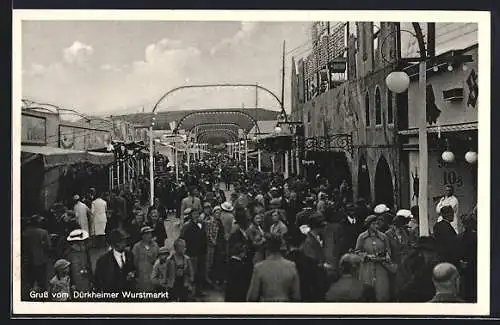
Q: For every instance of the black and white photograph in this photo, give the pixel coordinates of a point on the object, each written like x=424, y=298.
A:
x=327, y=163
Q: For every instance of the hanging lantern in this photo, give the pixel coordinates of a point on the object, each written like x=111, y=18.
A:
x=448, y=156
x=471, y=157
x=397, y=81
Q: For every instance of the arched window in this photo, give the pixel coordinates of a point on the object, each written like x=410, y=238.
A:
x=367, y=109
x=390, y=113
x=378, y=108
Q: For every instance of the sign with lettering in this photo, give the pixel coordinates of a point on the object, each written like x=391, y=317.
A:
x=459, y=174
x=33, y=129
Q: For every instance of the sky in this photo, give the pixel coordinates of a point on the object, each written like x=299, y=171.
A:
x=115, y=67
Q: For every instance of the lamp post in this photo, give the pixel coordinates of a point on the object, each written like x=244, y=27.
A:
x=188, y=156
x=283, y=120
x=246, y=153
x=398, y=82
x=151, y=165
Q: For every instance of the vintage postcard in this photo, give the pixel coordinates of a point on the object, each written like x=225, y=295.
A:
x=251, y=162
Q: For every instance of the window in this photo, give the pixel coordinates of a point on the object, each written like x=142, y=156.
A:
x=378, y=109
x=364, y=41
x=376, y=33
x=353, y=30
x=367, y=109
x=390, y=113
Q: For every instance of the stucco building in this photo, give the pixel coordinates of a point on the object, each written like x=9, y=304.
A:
x=351, y=128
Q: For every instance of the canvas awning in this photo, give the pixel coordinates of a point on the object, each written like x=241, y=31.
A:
x=472, y=126
x=100, y=158
x=53, y=156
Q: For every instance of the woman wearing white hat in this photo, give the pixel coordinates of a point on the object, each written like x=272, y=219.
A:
x=77, y=255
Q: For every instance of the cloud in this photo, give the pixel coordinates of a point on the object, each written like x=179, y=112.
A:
x=78, y=52
x=246, y=30
x=109, y=87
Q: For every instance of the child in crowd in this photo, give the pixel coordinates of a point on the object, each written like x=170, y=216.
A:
x=159, y=273
x=60, y=284
x=180, y=273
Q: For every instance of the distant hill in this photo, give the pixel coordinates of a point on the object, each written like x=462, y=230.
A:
x=163, y=118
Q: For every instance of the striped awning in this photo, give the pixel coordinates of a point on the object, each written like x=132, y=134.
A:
x=443, y=128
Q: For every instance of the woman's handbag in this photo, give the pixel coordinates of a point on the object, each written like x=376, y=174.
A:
x=390, y=267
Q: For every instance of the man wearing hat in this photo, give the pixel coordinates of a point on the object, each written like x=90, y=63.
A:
x=399, y=241
x=145, y=253
x=274, y=205
x=195, y=235
x=307, y=210
x=82, y=213
x=315, y=266
x=192, y=201
x=227, y=218
x=77, y=255
x=115, y=270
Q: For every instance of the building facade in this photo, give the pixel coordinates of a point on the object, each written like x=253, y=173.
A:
x=350, y=123
x=452, y=124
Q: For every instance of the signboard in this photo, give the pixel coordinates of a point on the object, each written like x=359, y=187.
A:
x=80, y=138
x=337, y=66
x=97, y=139
x=172, y=138
x=33, y=129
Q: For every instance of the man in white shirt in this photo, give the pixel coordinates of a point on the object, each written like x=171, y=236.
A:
x=82, y=213
x=115, y=270
x=99, y=219
x=449, y=200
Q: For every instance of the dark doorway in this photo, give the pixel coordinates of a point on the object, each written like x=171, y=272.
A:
x=332, y=166
x=364, y=186
x=384, y=192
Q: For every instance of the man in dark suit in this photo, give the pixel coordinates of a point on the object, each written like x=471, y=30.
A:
x=220, y=195
x=334, y=246
x=115, y=270
x=35, y=254
x=239, y=273
x=292, y=207
x=447, y=283
x=446, y=237
x=351, y=228
x=313, y=266
x=194, y=234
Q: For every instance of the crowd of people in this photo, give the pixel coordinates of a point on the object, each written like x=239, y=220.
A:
x=270, y=239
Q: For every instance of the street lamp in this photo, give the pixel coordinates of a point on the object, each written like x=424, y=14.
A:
x=398, y=82
x=471, y=157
